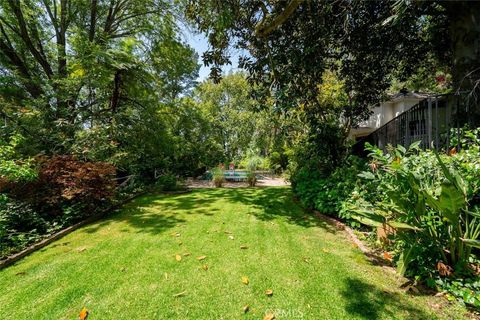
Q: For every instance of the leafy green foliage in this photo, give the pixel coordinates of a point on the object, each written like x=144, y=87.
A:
x=218, y=177
x=424, y=197
x=20, y=225
x=168, y=182
x=106, y=74
x=235, y=126
x=65, y=191
x=329, y=194
x=11, y=167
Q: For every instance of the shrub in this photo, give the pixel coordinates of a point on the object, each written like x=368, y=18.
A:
x=253, y=161
x=277, y=161
x=427, y=198
x=218, y=177
x=20, y=225
x=65, y=191
x=328, y=194
x=252, y=164
x=66, y=179
x=12, y=167
x=306, y=184
x=167, y=182
x=251, y=178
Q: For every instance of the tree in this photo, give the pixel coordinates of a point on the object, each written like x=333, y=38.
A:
x=369, y=43
x=71, y=65
x=229, y=109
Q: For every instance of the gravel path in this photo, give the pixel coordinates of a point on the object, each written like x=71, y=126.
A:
x=266, y=182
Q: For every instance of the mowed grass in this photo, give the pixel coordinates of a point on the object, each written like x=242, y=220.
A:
x=125, y=266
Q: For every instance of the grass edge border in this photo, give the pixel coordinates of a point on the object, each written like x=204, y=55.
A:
x=9, y=260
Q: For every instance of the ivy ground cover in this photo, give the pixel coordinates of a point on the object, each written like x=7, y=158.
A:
x=209, y=254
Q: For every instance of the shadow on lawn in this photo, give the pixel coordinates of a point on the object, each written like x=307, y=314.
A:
x=141, y=214
x=273, y=203
x=369, y=302
x=158, y=213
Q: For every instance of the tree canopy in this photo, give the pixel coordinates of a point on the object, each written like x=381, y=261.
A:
x=69, y=65
x=370, y=43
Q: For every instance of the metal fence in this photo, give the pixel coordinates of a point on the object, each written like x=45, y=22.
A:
x=434, y=121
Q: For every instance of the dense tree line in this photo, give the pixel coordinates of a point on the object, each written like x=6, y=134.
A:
x=371, y=46
x=114, y=81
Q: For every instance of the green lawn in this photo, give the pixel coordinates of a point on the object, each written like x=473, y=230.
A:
x=125, y=267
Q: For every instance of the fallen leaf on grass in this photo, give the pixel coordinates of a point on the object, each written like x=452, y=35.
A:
x=246, y=308
x=269, y=292
x=186, y=254
x=269, y=316
x=387, y=256
x=201, y=258
x=205, y=267
x=306, y=260
x=412, y=289
x=180, y=243
x=166, y=276
x=81, y=249
x=83, y=314
x=436, y=306
x=231, y=237
x=178, y=257
x=326, y=250
x=245, y=280
x=243, y=247
x=22, y=273
x=443, y=269
x=180, y=294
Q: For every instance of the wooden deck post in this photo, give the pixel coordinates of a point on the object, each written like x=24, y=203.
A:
x=429, y=124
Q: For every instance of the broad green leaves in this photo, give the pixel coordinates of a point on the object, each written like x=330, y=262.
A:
x=425, y=198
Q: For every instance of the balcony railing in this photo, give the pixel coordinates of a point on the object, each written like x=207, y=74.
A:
x=432, y=121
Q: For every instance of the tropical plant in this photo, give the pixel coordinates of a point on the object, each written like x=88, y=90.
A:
x=425, y=200
x=218, y=177
x=252, y=165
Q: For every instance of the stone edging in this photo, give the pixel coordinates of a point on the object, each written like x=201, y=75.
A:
x=19, y=255
x=342, y=226
x=369, y=254
x=60, y=234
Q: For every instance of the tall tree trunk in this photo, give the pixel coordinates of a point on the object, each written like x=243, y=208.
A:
x=93, y=20
x=61, y=41
x=115, y=100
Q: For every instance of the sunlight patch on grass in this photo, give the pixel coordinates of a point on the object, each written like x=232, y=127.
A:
x=126, y=265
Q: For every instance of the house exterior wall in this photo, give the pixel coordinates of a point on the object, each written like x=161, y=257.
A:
x=384, y=113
